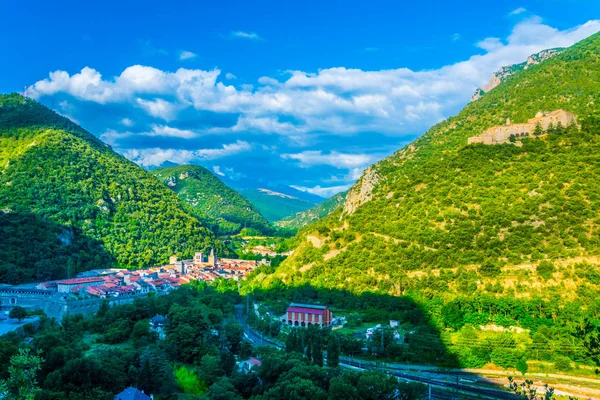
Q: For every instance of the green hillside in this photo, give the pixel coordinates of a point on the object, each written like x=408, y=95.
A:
x=303, y=218
x=70, y=203
x=211, y=199
x=478, y=234
x=274, y=205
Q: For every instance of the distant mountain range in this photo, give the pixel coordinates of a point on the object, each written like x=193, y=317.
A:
x=303, y=218
x=275, y=205
x=211, y=200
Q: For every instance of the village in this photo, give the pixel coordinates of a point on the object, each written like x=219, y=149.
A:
x=84, y=293
x=161, y=279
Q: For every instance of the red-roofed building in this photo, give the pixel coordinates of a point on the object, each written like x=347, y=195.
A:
x=307, y=314
x=247, y=365
x=67, y=285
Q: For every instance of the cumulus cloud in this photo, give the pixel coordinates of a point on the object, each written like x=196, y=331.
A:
x=335, y=159
x=157, y=156
x=323, y=191
x=245, y=35
x=335, y=100
x=229, y=75
x=186, y=55
x=300, y=106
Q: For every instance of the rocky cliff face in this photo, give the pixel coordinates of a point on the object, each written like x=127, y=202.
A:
x=503, y=73
x=362, y=191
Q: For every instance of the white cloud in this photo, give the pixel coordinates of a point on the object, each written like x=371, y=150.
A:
x=126, y=122
x=227, y=150
x=335, y=159
x=112, y=137
x=186, y=55
x=157, y=156
x=517, y=11
x=323, y=191
x=229, y=75
x=337, y=100
x=158, y=108
x=245, y=35
x=371, y=49
x=167, y=131
x=217, y=170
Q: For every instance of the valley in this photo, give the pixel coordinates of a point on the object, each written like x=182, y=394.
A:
x=191, y=245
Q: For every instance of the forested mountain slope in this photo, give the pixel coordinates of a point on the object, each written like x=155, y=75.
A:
x=210, y=199
x=481, y=235
x=442, y=204
x=303, y=218
x=70, y=203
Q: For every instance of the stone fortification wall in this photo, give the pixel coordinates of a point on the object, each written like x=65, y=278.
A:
x=503, y=133
x=57, y=305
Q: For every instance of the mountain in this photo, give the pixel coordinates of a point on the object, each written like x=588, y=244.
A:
x=70, y=203
x=275, y=205
x=303, y=218
x=503, y=73
x=440, y=203
x=211, y=199
x=498, y=244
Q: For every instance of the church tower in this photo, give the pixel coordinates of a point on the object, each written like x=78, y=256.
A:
x=212, y=260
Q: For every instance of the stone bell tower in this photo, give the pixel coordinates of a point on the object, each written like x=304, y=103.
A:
x=212, y=260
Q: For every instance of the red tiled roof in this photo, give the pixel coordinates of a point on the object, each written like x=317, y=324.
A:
x=78, y=281
x=305, y=310
x=255, y=361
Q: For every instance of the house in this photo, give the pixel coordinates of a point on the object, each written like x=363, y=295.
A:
x=132, y=393
x=157, y=324
x=394, y=323
x=307, y=314
x=67, y=285
x=247, y=365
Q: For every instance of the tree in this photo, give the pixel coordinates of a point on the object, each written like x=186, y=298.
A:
x=522, y=366
x=22, y=382
x=333, y=351
x=317, y=351
x=18, y=312
x=223, y=390
x=538, y=130
x=188, y=381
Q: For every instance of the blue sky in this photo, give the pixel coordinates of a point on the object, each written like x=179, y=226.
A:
x=271, y=92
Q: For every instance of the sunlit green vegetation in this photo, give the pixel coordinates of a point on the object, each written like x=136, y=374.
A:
x=211, y=200
x=480, y=235
x=68, y=202
x=303, y=218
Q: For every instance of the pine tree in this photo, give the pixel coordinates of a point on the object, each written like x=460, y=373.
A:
x=317, y=351
x=333, y=351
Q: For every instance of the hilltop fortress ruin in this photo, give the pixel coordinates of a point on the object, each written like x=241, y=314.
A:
x=504, y=133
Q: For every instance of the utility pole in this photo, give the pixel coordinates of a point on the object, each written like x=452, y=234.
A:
x=429, y=391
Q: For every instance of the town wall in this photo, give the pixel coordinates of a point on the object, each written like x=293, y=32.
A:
x=56, y=305
x=503, y=133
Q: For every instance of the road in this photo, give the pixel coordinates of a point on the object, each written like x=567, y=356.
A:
x=439, y=389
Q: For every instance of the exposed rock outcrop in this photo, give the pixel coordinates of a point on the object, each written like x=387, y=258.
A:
x=503, y=73
x=362, y=191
